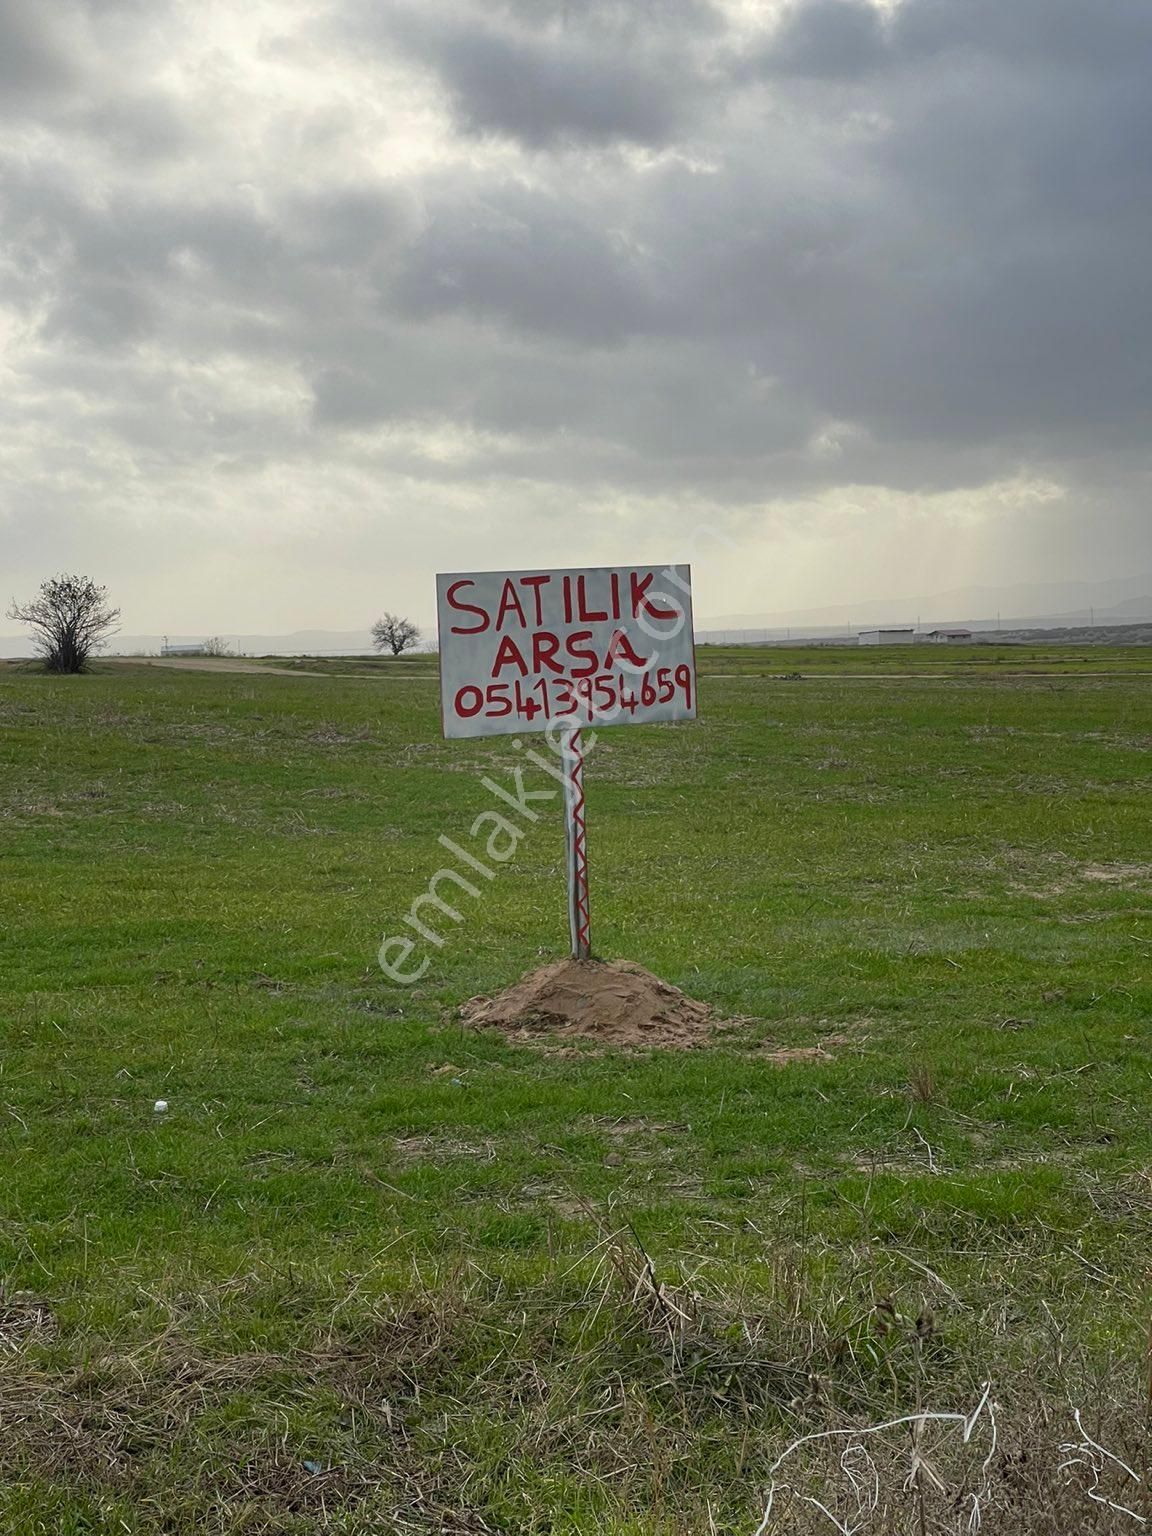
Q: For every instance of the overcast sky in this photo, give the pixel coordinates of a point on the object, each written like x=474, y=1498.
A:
x=302, y=302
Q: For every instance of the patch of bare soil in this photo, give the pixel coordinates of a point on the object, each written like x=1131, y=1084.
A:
x=615, y=1003
x=1126, y=875
x=787, y=1055
x=435, y=1149
x=208, y=664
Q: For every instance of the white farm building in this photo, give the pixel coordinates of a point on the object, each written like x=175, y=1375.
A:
x=888, y=636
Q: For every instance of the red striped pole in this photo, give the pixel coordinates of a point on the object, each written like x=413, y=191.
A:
x=579, y=920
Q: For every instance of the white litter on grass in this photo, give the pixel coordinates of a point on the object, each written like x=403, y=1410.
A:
x=866, y=1485
x=161, y=1106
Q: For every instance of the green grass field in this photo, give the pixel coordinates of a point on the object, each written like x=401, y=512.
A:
x=373, y=1273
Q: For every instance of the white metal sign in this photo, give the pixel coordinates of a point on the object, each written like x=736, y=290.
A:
x=557, y=650
x=526, y=650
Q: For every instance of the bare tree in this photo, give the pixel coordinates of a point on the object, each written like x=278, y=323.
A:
x=69, y=618
x=216, y=645
x=394, y=633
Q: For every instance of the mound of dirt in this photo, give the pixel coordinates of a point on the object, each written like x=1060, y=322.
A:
x=615, y=1004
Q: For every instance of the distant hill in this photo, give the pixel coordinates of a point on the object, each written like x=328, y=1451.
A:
x=1100, y=634
x=1045, y=610
x=301, y=642
x=1040, y=605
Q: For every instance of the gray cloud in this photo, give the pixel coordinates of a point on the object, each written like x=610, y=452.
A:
x=852, y=38
x=540, y=93
x=616, y=249
x=144, y=126
x=34, y=54
x=561, y=73
x=531, y=259
x=1029, y=33
x=101, y=312
x=827, y=38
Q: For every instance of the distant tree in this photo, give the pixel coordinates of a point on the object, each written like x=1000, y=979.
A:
x=394, y=634
x=216, y=645
x=69, y=618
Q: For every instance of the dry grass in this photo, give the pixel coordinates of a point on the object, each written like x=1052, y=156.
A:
x=635, y=1393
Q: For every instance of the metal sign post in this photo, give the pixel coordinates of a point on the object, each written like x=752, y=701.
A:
x=579, y=912
x=560, y=652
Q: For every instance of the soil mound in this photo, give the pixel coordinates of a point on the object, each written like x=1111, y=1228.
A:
x=615, y=1004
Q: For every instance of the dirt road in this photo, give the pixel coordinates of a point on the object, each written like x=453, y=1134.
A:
x=253, y=668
